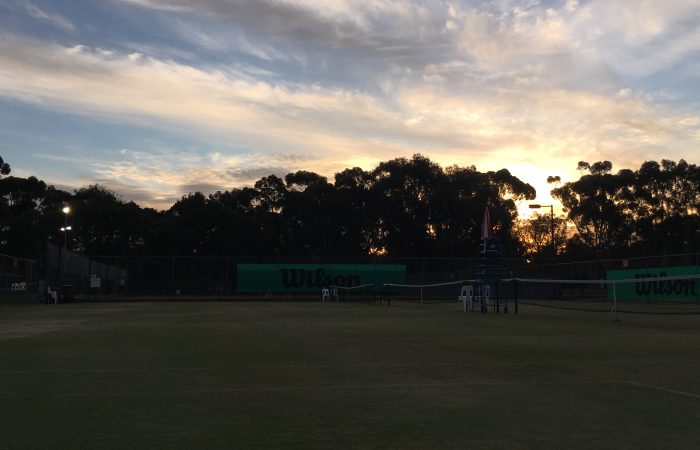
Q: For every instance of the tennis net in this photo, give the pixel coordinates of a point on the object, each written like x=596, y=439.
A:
x=425, y=293
x=363, y=293
x=679, y=294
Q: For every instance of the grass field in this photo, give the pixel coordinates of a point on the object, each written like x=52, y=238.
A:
x=335, y=376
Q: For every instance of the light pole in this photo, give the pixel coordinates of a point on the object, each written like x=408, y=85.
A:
x=65, y=229
x=551, y=210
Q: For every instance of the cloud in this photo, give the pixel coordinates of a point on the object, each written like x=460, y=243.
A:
x=52, y=18
x=636, y=39
x=201, y=187
x=279, y=19
x=330, y=85
x=223, y=39
x=634, y=22
x=314, y=120
x=157, y=178
x=565, y=45
x=250, y=175
x=148, y=90
x=311, y=31
x=136, y=193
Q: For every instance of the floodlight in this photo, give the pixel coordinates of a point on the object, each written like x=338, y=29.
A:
x=551, y=209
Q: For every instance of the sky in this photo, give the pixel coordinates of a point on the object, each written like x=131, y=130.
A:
x=159, y=98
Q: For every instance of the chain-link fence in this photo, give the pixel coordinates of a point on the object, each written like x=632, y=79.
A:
x=216, y=277
x=598, y=268
x=87, y=278
x=19, y=280
x=77, y=277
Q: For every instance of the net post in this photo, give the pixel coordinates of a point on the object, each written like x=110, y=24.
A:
x=388, y=295
x=421, y=295
x=498, y=296
x=515, y=294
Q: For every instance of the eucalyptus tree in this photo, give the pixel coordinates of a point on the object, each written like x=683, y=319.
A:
x=651, y=210
x=592, y=206
x=405, y=206
x=309, y=225
x=22, y=230
x=4, y=168
x=352, y=218
x=104, y=224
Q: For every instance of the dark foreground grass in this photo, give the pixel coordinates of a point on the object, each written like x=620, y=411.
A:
x=334, y=376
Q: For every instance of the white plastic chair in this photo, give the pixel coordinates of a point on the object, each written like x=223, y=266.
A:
x=466, y=297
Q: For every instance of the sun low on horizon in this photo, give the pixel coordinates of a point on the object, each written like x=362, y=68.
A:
x=158, y=98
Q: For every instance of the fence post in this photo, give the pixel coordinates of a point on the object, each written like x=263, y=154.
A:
x=89, y=287
x=172, y=275
x=126, y=276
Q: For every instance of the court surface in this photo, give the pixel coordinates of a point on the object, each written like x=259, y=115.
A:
x=311, y=375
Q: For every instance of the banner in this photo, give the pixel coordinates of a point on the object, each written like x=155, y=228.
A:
x=254, y=278
x=648, y=288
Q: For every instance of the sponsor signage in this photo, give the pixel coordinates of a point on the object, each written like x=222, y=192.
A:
x=647, y=286
x=252, y=278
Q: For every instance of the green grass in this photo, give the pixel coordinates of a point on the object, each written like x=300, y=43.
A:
x=303, y=375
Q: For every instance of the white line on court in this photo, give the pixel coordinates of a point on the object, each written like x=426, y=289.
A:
x=310, y=388
x=354, y=386
x=663, y=389
x=322, y=366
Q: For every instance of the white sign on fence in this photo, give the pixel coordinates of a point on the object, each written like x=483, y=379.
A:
x=17, y=287
x=95, y=282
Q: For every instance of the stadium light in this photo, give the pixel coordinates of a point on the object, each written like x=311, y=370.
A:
x=551, y=210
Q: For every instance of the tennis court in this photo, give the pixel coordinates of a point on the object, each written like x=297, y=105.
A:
x=321, y=375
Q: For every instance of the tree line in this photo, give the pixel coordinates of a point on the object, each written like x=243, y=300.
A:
x=401, y=208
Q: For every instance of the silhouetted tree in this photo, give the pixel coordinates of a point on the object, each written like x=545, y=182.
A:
x=651, y=210
x=352, y=219
x=4, y=168
x=21, y=227
x=535, y=234
x=308, y=214
x=403, y=208
x=103, y=224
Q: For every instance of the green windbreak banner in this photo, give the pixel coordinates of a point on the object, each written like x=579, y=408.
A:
x=253, y=278
x=646, y=287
